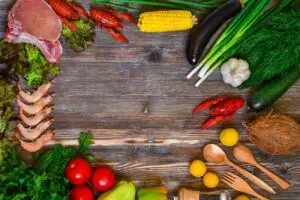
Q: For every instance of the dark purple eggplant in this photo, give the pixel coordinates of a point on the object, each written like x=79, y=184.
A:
x=201, y=34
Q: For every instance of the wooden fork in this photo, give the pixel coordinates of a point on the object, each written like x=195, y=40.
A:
x=240, y=185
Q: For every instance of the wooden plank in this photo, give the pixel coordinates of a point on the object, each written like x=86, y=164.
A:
x=105, y=89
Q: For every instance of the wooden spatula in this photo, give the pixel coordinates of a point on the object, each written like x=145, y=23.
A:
x=240, y=185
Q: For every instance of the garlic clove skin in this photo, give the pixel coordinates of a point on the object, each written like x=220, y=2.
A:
x=235, y=72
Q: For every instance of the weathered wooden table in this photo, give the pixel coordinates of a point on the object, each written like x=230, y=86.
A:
x=107, y=88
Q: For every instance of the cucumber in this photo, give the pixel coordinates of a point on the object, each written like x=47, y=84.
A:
x=273, y=90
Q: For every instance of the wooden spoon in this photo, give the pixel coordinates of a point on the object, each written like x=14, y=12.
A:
x=244, y=154
x=214, y=154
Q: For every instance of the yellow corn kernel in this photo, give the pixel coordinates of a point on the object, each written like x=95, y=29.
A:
x=166, y=21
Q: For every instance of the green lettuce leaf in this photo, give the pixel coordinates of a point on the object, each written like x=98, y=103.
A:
x=83, y=38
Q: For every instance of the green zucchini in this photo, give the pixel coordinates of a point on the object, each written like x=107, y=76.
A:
x=273, y=90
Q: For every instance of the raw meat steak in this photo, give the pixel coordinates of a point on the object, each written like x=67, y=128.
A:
x=52, y=51
x=34, y=22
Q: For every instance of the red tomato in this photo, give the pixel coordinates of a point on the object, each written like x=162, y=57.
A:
x=103, y=178
x=82, y=192
x=78, y=171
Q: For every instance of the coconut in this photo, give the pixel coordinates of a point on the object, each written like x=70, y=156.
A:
x=275, y=134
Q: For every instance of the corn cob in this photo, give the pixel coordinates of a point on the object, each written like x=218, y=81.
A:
x=166, y=21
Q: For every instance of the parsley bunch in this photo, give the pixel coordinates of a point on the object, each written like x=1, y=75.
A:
x=44, y=179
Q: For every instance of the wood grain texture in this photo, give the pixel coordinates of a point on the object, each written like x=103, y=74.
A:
x=105, y=89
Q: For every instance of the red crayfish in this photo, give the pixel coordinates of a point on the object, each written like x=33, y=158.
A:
x=223, y=109
x=68, y=11
x=109, y=19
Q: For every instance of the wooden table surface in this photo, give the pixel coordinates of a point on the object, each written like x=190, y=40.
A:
x=107, y=87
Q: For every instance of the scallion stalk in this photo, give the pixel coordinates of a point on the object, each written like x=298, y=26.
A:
x=200, y=81
x=172, y=4
x=201, y=4
x=150, y=3
x=120, y=6
x=237, y=34
x=222, y=51
x=228, y=33
x=236, y=20
x=141, y=2
x=223, y=39
x=234, y=32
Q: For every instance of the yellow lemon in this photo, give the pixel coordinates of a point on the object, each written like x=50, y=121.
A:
x=241, y=197
x=197, y=168
x=210, y=180
x=229, y=137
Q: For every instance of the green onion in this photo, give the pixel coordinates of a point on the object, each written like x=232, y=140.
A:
x=194, y=7
x=120, y=6
x=148, y=3
x=201, y=4
x=224, y=38
x=234, y=35
x=253, y=13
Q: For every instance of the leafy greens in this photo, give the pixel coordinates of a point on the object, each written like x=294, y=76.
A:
x=38, y=68
x=27, y=61
x=273, y=48
x=83, y=38
x=8, y=94
x=44, y=179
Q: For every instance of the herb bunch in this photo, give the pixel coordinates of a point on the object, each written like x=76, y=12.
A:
x=44, y=179
x=273, y=48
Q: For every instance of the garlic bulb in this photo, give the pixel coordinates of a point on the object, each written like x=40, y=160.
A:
x=235, y=72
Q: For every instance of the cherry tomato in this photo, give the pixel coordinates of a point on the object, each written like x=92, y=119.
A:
x=82, y=192
x=103, y=178
x=78, y=171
